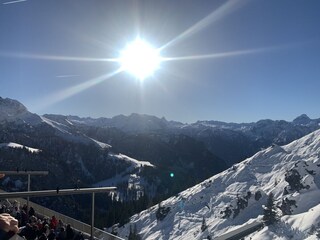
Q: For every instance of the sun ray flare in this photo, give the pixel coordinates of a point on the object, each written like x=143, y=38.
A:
x=214, y=16
x=216, y=55
x=71, y=91
x=56, y=58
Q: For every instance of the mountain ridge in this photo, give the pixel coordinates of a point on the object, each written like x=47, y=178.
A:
x=231, y=142
x=10, y=109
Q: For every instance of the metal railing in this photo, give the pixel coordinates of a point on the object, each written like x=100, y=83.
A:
x=46, y=212
x=26, y=172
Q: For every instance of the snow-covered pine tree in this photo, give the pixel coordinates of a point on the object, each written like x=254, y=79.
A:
x=204, y=225
x=270, y=215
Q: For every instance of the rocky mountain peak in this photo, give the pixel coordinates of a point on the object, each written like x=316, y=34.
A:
x=12, y=110
x=302, y=120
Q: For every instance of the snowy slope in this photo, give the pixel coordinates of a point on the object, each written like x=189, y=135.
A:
x=130, y=176
x=16, y=145
x=127, y=175
x=70, y=134
x=267, y=171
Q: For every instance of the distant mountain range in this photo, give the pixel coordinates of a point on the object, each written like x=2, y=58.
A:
x=231, y=142
x=204, y=147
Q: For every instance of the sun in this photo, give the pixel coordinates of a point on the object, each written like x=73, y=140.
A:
x=140, y=59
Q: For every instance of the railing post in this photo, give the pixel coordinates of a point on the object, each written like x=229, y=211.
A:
x=92, y=216
x=28, y=197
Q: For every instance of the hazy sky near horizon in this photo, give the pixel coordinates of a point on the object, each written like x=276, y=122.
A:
x=234, y=61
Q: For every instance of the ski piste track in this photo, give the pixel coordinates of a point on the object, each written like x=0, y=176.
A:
x=241, y=231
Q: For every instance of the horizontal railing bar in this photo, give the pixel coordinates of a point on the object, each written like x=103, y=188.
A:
x=57, y=192
x=24, y=172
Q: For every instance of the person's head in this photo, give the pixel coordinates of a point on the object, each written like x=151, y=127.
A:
x=46, y=227
x=43, y=236
x=35, y=228
x=33, y=219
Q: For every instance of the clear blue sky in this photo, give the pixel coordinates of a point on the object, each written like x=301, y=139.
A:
x=277, y=75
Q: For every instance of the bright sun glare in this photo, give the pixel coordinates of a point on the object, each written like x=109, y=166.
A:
x=140, y=59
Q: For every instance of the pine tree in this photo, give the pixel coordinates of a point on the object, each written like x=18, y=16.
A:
x=269, y=213
x=162, y=212
x=133, y=235
x=294, y=179
x=204, y=225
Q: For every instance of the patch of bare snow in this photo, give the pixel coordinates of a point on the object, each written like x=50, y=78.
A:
x=16, y=145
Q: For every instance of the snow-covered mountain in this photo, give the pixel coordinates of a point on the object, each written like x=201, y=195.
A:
x=13, y=111
x=234, y=142
x=105, y=151
x=73, y=148
x=235, y=197
x=202, y=148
